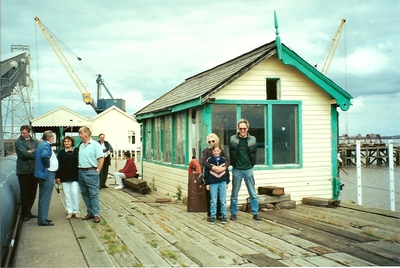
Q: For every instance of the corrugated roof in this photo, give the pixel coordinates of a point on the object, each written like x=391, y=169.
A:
x=208, y=82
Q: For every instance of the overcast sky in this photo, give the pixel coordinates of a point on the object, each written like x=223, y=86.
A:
x=145, y=48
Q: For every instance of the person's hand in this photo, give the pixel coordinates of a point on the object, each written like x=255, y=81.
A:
x=58, y=181
x=208, y=187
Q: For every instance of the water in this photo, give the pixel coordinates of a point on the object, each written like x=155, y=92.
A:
x=375, y=183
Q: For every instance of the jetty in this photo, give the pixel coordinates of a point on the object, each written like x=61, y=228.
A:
x=154, y=230
x=371, y=152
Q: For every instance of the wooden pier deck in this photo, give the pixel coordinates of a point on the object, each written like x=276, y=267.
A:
x=137, y=231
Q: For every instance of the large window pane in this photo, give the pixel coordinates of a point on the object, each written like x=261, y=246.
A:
x=224, y=123
x=147, y=139
x=255, y=114
x=284, y=134
x=166, y=139
x=156, y=138
x=179, y=142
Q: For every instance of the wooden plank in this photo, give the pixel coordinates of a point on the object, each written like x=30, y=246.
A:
x=271, y=190
x=321, y=261
x=262, y=260
x=266, y=199
x=134, y=183
x=348, y=260
x=286, y=205
x=322, y=202
x=391, y=254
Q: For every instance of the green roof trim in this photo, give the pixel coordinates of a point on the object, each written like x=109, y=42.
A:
x=343, y=99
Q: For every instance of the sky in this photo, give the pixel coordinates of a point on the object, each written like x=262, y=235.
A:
x=145, y=48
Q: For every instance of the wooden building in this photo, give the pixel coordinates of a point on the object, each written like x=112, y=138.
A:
x=121, y=129
x=291, y=108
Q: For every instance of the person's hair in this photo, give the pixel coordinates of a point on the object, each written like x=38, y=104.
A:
x=47, y=134
x=216, y=145
x=244, y=121
x=127, y=154
x=213, y=136
x=71, y=139
x=25, y=127
x=101, y=134
x=86, y=130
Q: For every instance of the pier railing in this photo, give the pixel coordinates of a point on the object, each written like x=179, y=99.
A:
x=369, y=154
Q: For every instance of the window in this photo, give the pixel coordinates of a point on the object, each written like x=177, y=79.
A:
x=272, y=88
x=179, y=138
x=156, y=139
x=279, y=138
x=148, y=126
x=166, y=139
x=131, y=137
x=224, y=123
x=255, y=114
x=284, y=134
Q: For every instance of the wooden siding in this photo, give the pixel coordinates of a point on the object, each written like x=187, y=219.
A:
x=314, y=178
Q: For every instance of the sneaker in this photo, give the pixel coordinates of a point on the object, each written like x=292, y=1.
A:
x=256, y=217
x=233, y=217
x=69, y=216
x=224, y=220
x=118, y=187
x=77, y=216
x=212, y=220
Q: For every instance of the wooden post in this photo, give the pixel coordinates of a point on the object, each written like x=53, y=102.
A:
x=391, y=178
x=358, y=161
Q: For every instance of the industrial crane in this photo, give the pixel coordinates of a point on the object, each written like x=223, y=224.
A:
x=102, y=104
x=330, y=52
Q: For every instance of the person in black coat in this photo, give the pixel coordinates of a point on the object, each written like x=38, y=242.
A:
x=67, y=175
x=108, y=150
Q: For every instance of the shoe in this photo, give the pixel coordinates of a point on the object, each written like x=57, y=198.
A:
x=224, y=220
x=104, y=186
x=212, y=220
x=46, y=224
x=256, y=217
x=118, y=187
x=97, y=219
x=49, y=220
x=88, y=217
x=77, y=215
x=27, y=218
x=208, y=218
x=69, y=216
x=33, y=216
x=233, y=217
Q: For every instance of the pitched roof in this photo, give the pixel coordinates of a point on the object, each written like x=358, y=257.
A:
x=199, y=87
x=205, y=83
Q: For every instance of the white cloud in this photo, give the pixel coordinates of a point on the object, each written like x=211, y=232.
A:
x=367, y=61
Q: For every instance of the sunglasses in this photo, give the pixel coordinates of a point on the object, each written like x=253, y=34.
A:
x=212, y=141
x=242, y=128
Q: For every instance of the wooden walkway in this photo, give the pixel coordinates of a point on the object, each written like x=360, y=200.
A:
x=136, y=231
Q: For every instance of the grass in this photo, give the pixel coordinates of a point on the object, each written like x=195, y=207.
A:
x=81, y=237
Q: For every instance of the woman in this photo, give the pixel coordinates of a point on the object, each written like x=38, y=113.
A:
x=67, y=174
x=206, y=153
x=128, y=171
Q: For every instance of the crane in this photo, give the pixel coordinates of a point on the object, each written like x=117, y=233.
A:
x=330, y=52
x=102, y=104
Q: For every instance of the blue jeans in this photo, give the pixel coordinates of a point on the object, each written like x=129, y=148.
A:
x=248, y=176
x=45, y=192
x=89, y=183
x=215, y=190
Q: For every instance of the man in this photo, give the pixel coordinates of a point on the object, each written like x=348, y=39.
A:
x=243, y=149
x=107, y=150
x=45, y=171
x=91, y=160
x=25, y=147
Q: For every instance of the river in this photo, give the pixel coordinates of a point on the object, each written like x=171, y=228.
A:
x=375, y=183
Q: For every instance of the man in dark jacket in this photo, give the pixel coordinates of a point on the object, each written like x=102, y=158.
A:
x=25, y=147
x=243, y=150
x=107, y=150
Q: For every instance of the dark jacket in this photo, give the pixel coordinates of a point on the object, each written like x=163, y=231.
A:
x=68, y=165
x=25, y=161
x=109, y=148
x=251, y=147
x=206, y=153
x=210, y=176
